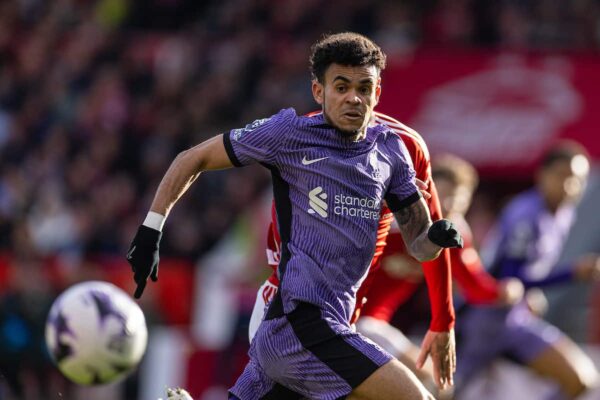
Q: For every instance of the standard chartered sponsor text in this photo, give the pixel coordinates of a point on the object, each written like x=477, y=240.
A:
x=356, y=206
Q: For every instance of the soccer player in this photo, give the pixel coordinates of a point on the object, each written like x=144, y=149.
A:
x=419, y=155
x=528, y=241
x=330, y=175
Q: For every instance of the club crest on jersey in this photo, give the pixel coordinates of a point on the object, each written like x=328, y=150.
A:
x=237, y=133
x=374, y=163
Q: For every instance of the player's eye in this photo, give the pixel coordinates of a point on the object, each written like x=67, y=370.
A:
x=366, y=90
x=340, y=89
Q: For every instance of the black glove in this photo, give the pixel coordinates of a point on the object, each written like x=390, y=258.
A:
x=444, y=234
x=143, y=257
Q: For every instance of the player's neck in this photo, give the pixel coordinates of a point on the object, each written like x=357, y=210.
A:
x=358, y=136
x=553, y=207
x=355, y=136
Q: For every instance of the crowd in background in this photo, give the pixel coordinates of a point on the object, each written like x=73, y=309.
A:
x=97, y=98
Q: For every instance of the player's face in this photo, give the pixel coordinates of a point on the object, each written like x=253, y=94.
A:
x=454, y=199
x=563, y=180
x=348, y=96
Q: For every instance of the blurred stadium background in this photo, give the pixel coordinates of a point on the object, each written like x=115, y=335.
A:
x=97, y=97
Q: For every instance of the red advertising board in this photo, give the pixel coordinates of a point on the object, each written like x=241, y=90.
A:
x=498, y=110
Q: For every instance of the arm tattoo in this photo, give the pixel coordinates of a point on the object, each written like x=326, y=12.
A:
x=403, y=216
x=414, y=221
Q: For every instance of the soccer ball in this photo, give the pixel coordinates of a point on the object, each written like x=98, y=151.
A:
x=95, y=333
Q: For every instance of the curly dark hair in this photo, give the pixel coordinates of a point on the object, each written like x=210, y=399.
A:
x=347, y=48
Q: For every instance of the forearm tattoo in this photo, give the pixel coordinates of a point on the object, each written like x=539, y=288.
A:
x=413, y=220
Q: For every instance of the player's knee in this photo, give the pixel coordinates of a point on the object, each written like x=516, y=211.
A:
x=392, y=381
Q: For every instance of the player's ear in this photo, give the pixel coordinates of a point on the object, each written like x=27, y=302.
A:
x=317, y=91
x=377, y=90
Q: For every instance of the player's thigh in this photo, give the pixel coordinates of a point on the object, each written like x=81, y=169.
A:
x=394, y=342
x=545, y=349
x=565, y=363
x=392, y=381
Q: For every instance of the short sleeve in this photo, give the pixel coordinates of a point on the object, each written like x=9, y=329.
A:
x=260, y=141
x=402, y=190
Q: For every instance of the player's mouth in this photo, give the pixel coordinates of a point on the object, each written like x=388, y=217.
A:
x=353, y=115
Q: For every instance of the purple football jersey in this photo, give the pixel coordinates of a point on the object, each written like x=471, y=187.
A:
x=328, y=195
x=528, y=240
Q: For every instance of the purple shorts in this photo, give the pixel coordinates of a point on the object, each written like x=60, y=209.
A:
x=491, y=332
x=304, y=355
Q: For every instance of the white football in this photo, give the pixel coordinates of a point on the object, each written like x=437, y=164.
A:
x=95, y=333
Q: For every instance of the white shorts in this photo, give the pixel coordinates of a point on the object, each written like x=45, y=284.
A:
x=385, y=335
x=263, y=298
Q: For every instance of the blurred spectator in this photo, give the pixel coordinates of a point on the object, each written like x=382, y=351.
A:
x=88, y=89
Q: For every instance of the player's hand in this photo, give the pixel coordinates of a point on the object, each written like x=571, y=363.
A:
x=143, y=257
x=442, y=348
x=423, y=188
x=510, y=291
x=587, y=268
x=444, y=234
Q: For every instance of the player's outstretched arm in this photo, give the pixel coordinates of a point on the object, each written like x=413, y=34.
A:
x=185, y=169
x=143, y=254
x=423, y=239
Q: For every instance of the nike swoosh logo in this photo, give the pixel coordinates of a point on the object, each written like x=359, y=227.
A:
x=308, y=162
x=130, y=254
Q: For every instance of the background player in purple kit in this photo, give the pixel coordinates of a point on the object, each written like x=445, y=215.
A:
x=330, y=175
x=526, y=244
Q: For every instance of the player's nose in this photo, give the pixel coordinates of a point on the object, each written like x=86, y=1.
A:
x=353, y=97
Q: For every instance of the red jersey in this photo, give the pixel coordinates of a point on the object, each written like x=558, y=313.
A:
x=476, y=285
x=436, y=274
